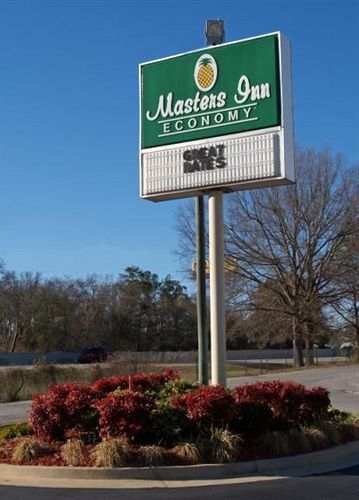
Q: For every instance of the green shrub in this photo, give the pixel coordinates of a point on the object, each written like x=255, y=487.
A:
x=174, y=388
x=15, y=431
x=167, y=425
x=343, y=417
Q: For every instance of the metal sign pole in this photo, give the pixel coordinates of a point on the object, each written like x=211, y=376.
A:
x=216, y=272
x=201, y=294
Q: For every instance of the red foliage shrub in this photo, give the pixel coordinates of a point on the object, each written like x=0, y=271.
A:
x=71, y=406
x=143, y=382
x=124, y=414
x=140, y=382
x=315, y=405
x=207, y=405
x=64, y=407
x=105, y=385
x=288, y=402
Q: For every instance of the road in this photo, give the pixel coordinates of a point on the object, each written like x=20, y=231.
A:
x=338, y=485
x=342, y=382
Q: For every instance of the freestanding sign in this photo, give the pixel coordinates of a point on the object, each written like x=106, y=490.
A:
x=219, y=117
x=214, y=120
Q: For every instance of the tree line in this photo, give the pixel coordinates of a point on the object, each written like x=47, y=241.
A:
x=137, y=312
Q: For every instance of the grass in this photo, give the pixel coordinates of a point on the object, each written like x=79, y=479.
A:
x=275, y=443
x=152, y=456
x=187, y=453
x=214, y=446
x=72, y=452
x=27, y=450
x=235, y=369
x=38, y=378
x=221, y=446
x=112, y=453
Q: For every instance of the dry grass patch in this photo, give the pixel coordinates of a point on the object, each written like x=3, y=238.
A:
x=27, y=450
x=112, y=453
x=349, y=431
x=187, y=453
x=221, y=447
x=276, y=443
x=298, y=442
x=332, y=433
x=316, y=437
x=72, y=452
x=152, y=456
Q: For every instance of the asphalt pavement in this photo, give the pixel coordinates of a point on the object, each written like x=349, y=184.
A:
x=342, y=485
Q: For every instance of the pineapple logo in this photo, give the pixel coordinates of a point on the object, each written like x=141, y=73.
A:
x=205, y=72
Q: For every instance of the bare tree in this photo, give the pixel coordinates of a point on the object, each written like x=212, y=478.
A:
x=346, y=303
x=287, y=239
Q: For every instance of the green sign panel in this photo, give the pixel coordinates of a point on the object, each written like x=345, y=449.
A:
x=213, y=92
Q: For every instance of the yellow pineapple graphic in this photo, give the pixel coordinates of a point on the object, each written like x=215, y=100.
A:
x=205, y=73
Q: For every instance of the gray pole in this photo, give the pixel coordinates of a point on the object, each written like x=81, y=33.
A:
x=201, y=294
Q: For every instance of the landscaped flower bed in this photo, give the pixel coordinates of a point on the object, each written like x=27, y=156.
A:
x=158, y=419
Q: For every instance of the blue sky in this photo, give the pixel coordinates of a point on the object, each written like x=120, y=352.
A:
x=69, y=202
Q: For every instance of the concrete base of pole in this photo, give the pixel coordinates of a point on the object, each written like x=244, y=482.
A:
x=216, y=271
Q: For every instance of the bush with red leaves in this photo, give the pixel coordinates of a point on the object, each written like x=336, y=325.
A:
x=140, y=382
x=64, y=407
x=316, y=404
x=207, y=406
x=152, y=382
x=106, y=385
x=289, y=403
x=124, y=414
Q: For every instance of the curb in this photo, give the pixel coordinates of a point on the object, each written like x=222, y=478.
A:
x=329, y=460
